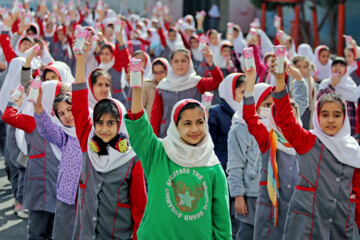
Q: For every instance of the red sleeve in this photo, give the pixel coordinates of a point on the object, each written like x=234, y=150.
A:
x=358, y=69
x=162, y=37
x=19, y=120
x=138, y=196
x=135, y=116
x=260, y=66
x=81, y=19
x=97, y=57
x=145, y=42
x=185, y=41
x=7, y=48
x=300, y=139
x=80, y=110
x=70, y=40
x=121, y=58
x=15, y=26
x=167, y=25
x=128, y=24
x=276, y=41
x=255, y=126
x=357, y=129
x=156, y=113
x=212, y=83
x=356, y=191
x=41, y=26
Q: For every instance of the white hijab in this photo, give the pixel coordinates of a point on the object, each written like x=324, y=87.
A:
x=239, y=43
x=266, y=44
x=178, y=43
x=92, y=99
x=148, y=68
x=323, y=70
x=173, y=82
x=114, y=159
x=305, y=49
x=346, y=87
x=63, y=71
x=185, y=155
x=227, y=90
x=216, y=49
x=342, y=145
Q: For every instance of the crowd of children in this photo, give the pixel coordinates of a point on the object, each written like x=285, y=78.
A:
x=210, y=136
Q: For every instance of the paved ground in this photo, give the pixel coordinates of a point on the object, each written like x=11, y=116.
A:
x=11, y=227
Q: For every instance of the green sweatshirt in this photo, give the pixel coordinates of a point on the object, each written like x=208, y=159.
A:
x=183, y=203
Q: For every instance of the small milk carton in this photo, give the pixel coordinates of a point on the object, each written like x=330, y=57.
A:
x=251, y=34
x=71, y=6
x=15, y=95
x=54, y=5
x=4, y=13
x=27, y=18
x=81, y=39
x=249, y=58
x=230, y=28
x=336, y=74
x=277, y=22
x=347, y=38
x=94, y=42
x=280, y=58
x=97, y=27
x=34, y=90
x=207, y=99
x=99, y=5
x=135, y=73
x=17, y=8
x=166, y=9
x=118, y=25
x=67, y=20
x=283, y=36
x=28, y=52
x=202, y=43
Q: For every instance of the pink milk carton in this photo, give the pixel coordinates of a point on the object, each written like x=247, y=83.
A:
x=97, y=27
x=347, y=38
x=230, y=28
x=27, y=18
x=94, y=42
x=207, y=99
x=135, y=73
x=77, y=29
x=71, y=6
x=249, y=58
x=283, y=36
x=166, y=9
x=280, y=58
x=202, y=42
x=118, y=25
x=67, y=20
x=81, y=39
x=100, y=5
x=34, y=90
x=17, y=8
x=54, y=5
x=28, y=52
x=4, y=13
x=15, y=95
x=201, y=14
x=277, y=22
x=252, y=33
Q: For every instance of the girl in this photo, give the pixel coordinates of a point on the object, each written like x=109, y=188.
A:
x=272, y=204
x=160, y=67
x=187, y=187
x=42, y=167
x=244, y=164
x=305, y=49
x=99, y=84
x=112, y=195
x=197, y=56
x=323, y=205
x=113, y=60
x=341, y=83
x=239, y=41
x=352, y=53
x=62, y=134
x=170, y=40
x=58, y=71
x=213, y=41
x=180, y=83
x=303, y=64
x=322, y=63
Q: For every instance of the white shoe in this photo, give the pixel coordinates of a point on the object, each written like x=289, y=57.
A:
x=24, y=213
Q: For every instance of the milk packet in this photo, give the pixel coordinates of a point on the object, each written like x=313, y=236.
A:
x=280, y=58
x=135, y=73
x=81, y=39
x=34, y=90
x=249, y=58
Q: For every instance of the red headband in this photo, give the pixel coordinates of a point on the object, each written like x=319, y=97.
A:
x=263, y=96
x=183, y=104
x=52, y=68
x=234, y=83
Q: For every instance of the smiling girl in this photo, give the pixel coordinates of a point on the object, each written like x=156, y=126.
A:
x=187, y=186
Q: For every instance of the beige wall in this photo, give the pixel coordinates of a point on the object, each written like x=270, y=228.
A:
x=242, y=12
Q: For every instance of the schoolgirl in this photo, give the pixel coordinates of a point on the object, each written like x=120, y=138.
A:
x=170, y=40
x=341, y=83
x=112, y=195
x=180, y=83
x=322, y=206
x=60, y=131
x=352, y=53
x=213, y=41
x=99, y=85
x=322, y=63
x=42, y=167
x=279, y=160
x=305, y=49
x=187, y=186
x=160, y=68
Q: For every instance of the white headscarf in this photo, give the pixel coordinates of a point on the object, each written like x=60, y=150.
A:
x=342, y=145
x=63, y=71
x=192, y=24
x=214, y=11
x=178, y=43
x=305, y=49
x=92, y=99
x=148, y=68
x=114, y=159
x=346, y=87
x=183, y=154
x=323, y=70
x=222, y=61
x=216, y=49
x=227, y=90
x=266, y=44
x=173, y=82
x=239, y=43
x=292, y=52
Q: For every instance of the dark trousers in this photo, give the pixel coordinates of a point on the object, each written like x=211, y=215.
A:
x=41, y=225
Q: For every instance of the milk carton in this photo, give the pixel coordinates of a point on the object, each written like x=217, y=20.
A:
x=207, y=99
x=118, y=25
x=277, y=22
x=249, y=58
x=280, y=58
x=81, y=39
x=34, y=90
x=135, y=73
x=202, y=43
x=15, y=95
x=230, y=28
x=252, y=33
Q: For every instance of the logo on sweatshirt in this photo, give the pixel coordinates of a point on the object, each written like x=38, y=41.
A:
x=187, y=194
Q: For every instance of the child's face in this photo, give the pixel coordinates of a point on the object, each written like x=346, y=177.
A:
x=331, y=118
x=324, y=57
x=60, y=35
x=65, y=115
x=338, y=68
x=288, y=45
x=106, y=55
x=180, y=64
x=188, y=32
x=172, y=36
x=50, y=75
x=303, y=67
x=213, y=38
x=25, y=45
x=225, y=52
x=194, y=43
x=235, y=33
x=191, y=126
x=349, y=57
x=106, y=127
x=101, y=88
x=159, y=73
x=240, y=92
x=266, y=103
x=142, y=57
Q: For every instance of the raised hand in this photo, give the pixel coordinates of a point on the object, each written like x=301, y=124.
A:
x=293, y=72
x=30, y=58
x=280, y=77
x=20, y=100
x=250, y=79
x=208, y=56
x=38, y=107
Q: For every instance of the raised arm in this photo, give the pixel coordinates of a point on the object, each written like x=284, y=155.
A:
x=121, y=53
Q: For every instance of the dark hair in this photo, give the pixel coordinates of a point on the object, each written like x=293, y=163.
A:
x=172, y=30
x=159, y=62
x=190, y=105
x=338, y=60
x=180, y=50
x=193, y=38
x=139, y=52
x=65, y=88
x=27, y=38
x=36, y=40
x=106, y=106
x=97, y=73
x=236, y=28
x=324, y=49
x=240, y=81
x=293, y=104
x=108, y=46
x=330, y=98
x=212, y=31
x=33, y=29
x=62, y=97
x=47, y=71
